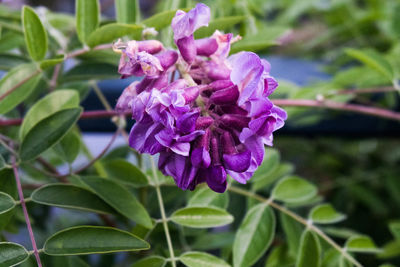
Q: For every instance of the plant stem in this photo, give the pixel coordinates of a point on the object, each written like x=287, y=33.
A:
x=297, y=218
x=163, y=216
x=24, y=209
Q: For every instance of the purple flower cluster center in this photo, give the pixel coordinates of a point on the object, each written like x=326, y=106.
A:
x=210, y=122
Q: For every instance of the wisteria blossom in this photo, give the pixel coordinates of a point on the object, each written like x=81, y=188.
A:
x=211, y=122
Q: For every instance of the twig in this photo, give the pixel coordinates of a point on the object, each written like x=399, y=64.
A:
x=27, y=220
x=297, y=218
x=53, y=81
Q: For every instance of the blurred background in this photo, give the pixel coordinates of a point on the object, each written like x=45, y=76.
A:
x=354, y=159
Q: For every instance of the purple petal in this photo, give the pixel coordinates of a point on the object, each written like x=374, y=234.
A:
x=181, y=148
x=216, y=179
x=167, y=58
x=239, y=162
x=187, y=48
x=185, y=24
x=150, y=46
x=200, y=158
x=225, y=96
x=206, y=46
x=187, y=122
x=235, y=121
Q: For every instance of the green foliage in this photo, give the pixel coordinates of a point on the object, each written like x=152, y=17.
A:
x=12, y=254
x=87, y=14
x=201, y=217
x=310, y=250
x=35, y=34
x=201, y=259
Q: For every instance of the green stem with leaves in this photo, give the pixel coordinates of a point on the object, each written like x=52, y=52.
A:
x=296, y=217
x=163, y=215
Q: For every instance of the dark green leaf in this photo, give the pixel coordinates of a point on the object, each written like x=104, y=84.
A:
x=362, y=244
x=310, y=250
x=211, y=241
x=9, y=61
x=269, y=164
x=7, y=185
x=127, y=11
x=395, y=229
x=254, y=236
x=325, y=213
x=282, y=170
x=120, y=199
x=48, y=132
x=24, y=79
x=390, y=250
x=206, y=197
x=293, y=189
x=293, y=230
x=201, y=217
x=152, y=261
x=111, y=32
x=2, y=162
x=11, y=40
x=47, y=106
x=91, y=71
x=220, y=24
x=87, y=14
x=280, y=257
x=6, y=202
x=35, y=34
x=69, y=146
x=69, y=261
x=82, y=240
x=12, y=254
x=125, y=172
x=70, y=196
x=160, y=20
x=373, y=60
x=201, y=259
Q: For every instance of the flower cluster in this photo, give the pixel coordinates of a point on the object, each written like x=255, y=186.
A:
x=212, y=121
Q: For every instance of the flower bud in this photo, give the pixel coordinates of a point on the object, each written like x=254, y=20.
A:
x=225, y=96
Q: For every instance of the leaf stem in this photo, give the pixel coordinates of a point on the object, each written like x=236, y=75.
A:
x=25, y=210
x=296, y=217
x=163, y=216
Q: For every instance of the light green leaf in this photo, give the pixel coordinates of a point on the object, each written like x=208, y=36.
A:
x=201, y=217
x=125, y=172
x=69, y=146
x=373, y=60
x=48, y=132
x=269, y=164
x=24, y=79
x=362, y=244
x=70, y=196
x=282, y=170
x=390, y=250
x=35, y=34
x=325, y=213
x=87, y=14
x=47, y=106
x=11, y=40
x=51, y=62
x=254, y=236
x=82, y=240
x=161, y=20
x=152, y=261
x=280, y=257
x=395, y=229
x=6, y=202
x=120, y=199
x=206, y=197
x=12, y=254
x=293, y=189
x=111, y=32
x=310, y=251
x=201, y=259
x=293, y=231
x=220, y=24
x=127, y=11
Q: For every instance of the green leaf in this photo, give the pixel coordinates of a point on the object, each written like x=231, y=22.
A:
x=310, y=250
x=210, y=241
x=87, y=14
x=47, y=106
x=201, y=259
x=2, y=162
x=35, y=34
x=161, y=20
x=293, y=189
x=395, y=229
x=48, y=132
x=282, y=170
x=325, y=213
x=111, y=32
x=362, y=244
x=125, y=172
x=373, y=60
x=91, y=71
x=201, y=217
x=390, y=250
x=9, y=61
x=8, y=186
x=293, y=231
x=11, y=40
x=69, y=146
x=120, y=199
x=152, y=261
x=268, y=166
x=280, y=257
x=51, y=62
x=70, y=196
x=24, y=79
x=254, y=236
x=206, y=197
x=6, y=202
x=82, y=240
x=12, y=254
x=127, y=11
x=220, y=24
x=69, y=261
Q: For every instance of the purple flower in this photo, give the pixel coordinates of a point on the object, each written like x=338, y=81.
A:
x=207, y=131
